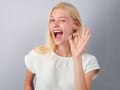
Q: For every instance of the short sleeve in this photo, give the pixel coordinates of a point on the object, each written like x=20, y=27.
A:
x=91, y=64
x=30, y=61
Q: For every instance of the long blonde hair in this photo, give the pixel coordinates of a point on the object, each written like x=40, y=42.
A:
x=74, y=13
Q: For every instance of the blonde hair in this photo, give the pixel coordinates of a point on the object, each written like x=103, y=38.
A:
x=74, y=13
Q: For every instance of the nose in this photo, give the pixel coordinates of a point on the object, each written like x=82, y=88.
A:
x=56, y=24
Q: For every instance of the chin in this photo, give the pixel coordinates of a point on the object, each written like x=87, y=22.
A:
x=58, y=43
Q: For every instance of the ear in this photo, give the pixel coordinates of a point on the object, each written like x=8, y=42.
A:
x=76, y=25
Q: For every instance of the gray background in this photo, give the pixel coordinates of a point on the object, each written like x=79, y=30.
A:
x=23, y=25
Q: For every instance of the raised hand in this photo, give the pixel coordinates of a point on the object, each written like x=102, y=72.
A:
x=79, y=44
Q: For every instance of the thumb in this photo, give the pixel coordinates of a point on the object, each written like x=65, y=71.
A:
x=70, y=39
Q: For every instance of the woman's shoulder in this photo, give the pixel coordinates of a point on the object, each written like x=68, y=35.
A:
x=36, y=55
x=42, y=49
x=37, y=51
x=88, y=56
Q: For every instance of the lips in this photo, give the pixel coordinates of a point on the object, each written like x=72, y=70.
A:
x=58, y=33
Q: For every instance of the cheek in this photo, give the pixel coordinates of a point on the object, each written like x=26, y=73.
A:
x=68, y=28
x=50, y=27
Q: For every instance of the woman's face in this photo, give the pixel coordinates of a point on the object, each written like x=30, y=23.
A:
x=61, y=25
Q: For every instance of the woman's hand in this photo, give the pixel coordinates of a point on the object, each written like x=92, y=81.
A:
x=78, y=45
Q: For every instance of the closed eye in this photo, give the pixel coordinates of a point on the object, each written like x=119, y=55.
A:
x=51, y=20
x=63, y=20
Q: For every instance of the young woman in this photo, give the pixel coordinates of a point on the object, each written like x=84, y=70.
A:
x=62, y=63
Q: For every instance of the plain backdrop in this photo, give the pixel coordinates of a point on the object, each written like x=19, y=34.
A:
x=23, y=25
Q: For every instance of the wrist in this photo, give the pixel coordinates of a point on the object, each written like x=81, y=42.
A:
x=77, y=57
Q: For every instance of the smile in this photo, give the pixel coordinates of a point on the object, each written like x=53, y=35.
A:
x=58, y=34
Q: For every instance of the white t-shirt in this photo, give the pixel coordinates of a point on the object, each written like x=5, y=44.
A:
x=54, y=72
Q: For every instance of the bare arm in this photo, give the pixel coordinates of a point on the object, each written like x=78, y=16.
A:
x=28, y=84
x=81, y=81
x=89, y=77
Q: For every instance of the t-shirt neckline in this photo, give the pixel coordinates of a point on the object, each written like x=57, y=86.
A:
x=62, y=57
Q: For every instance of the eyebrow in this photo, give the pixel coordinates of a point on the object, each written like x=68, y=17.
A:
x=59, y=17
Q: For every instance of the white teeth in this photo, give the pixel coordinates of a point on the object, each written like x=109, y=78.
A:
x=57, y=31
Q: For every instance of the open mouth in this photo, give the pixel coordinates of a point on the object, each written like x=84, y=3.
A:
x=58, y=34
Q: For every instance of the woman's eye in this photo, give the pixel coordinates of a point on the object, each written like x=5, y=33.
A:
x=62, y=20
x=51, y=20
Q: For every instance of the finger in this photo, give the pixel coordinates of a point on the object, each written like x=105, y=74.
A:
x=87, y=33
x=76, y=37
x=70, y=39
x=87, y=38
x=83, y=30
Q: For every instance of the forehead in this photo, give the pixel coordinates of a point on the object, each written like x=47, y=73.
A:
x=59, y=12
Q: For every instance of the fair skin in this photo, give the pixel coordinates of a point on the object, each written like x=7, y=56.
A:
x=28, y=84
x=61, y=26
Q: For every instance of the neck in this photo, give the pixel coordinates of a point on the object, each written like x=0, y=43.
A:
x=63, y=50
